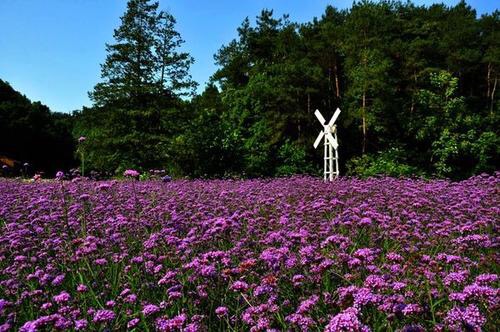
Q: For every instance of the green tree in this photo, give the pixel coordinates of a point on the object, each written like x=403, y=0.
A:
x=31, y=133
x=459, y=143
x=144, y=65
x=368, y=65
x=490, y=27
x=137, y=108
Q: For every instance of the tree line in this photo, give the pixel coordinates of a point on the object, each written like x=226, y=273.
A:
x=417, y=87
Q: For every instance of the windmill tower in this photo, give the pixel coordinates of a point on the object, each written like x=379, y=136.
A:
x=329, y=136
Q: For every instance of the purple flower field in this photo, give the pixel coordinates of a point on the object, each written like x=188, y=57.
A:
x=261, y=255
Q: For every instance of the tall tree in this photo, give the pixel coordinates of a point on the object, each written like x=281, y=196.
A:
x=369, y=32
x=490, y=28
x=144, y=64
x=137, y=107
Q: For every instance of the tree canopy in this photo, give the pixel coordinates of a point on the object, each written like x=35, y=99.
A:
x=416, y=85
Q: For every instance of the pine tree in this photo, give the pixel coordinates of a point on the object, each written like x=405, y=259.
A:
x=144, y=64
x=137, y=109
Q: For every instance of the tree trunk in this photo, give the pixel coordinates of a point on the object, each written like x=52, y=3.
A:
x=308, y=103
x=363, y=117
x=336, y=74
x=329, y=85
x=493, y=95
x=412, y=108
x=163, y=64
x=488, y=83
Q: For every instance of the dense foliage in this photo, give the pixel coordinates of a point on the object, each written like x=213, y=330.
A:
x=353, y=255
x=412, y=79
x=30, y=133
x=416, y=85
x=137, y=108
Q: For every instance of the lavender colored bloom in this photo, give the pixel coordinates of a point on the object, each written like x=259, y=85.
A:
x=469, y=318
x=455, y=278
x=307, y=305
x=29, y=326
x=131, y=173
x=62, y=323
x=365, y=221
x=239, y=286
x=62, y=297
x=132, y=298
x=100, y=261
x=103, y=316
x=347, y=321
x=81, y=324
x=58, y=280
x=303, y=322
x=59, y=175
x=163, y=324
x=81, y=288
x=150, y=309
x=3, y=305
x=413, y=328
x=133, y=323
x=81, y=139
x=221, y=311
x=5, y=327
x=46, y=306
x=487, y=278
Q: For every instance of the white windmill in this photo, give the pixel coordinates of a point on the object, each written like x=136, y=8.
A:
x=329, y=133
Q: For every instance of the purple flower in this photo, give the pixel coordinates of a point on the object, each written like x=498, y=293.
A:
x=365, y=221
x=133, y=323
x=150, y=309
x=81, y=288
x=221, y=311
x=81, y=324
x=103, y=315
x=46, y=306
x=58, y=280
x=82, y=139
x=5, y=327
x=100, y=261
x=240, y=286
x=3, y=305
x=413, y=328
x=131, y=298
x=300, y=320
x=486, y=279
x=347, y=320
x=30, y=326
x=307, y=305
x=469, y=317
x=131, y=173
x=62, y=297
x=456, y=278
x=59, y=175
x=163, y=324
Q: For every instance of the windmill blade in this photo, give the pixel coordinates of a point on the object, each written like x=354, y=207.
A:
x=318, y=139
x=332, y=140
x=334, y=117
x=320, y=117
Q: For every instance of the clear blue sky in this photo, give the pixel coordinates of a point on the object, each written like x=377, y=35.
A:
x=51, y=50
